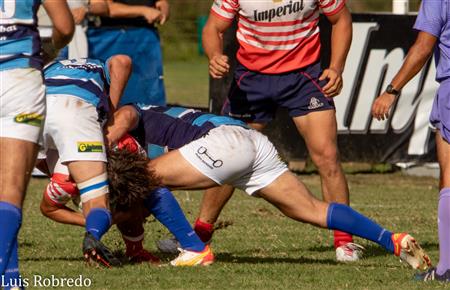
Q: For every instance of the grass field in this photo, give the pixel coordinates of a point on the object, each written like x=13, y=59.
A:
x=187, y=82
x=259, y=249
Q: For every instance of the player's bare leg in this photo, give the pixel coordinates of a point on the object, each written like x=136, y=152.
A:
x=213, y=201
x=174, y=171
x=289, y=195
x=17, y=158
x=319, y=130
x=292, y=198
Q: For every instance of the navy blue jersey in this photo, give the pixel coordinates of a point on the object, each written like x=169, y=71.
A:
x=167, y=128
x=20, y=44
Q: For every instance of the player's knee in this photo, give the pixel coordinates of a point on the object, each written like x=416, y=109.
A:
x=93, y=188
x=124, y=61
x=44, y=209
x=327, y=159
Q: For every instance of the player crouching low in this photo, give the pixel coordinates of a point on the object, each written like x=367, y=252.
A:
x=61, y=190
x=206, y=150
x=128, y=217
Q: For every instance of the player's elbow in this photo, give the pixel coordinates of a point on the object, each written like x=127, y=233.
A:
x=64, y=32
x=129, y=114
x=121, y=61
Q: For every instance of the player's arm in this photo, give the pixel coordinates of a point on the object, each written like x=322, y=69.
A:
x=120, y=10
x=341, y=39
x=98, y=8
x=63, y=24
x=61, y=213
x=416, y=58
x=119, y=69
x=213, y=45
x=125, y=119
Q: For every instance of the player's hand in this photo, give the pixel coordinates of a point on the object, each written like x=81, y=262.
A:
x=163, y=6
x=382, y=106
x=218, y=66
x=334, y=84
x=78, y=14
x=152, y=15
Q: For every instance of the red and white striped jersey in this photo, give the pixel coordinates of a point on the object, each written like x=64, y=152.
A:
x=277, y=36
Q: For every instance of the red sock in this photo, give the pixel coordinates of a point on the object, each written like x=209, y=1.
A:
x=341, y=238
x=133, y=245
x=204, y=230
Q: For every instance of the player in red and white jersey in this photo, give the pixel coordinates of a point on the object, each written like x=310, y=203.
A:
x=279, y=66
x=276, y=36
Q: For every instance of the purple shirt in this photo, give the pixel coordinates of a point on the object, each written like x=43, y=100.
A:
x=434, y=18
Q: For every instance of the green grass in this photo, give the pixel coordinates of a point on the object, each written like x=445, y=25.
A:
x=260, y=249
x=187, y=81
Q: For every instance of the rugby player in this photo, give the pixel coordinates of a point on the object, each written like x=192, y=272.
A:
x=22, y=98
x=81, y=94
x=206, y=150
x=278, y=65
x=432, y=23
x=160, y=202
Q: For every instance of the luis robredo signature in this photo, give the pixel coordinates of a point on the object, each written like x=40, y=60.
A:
x=41, y=281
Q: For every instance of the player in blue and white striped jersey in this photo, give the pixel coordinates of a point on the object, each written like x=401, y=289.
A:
x=22, y=110
x=81, y=94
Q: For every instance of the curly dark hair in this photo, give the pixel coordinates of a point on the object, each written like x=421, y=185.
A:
x=130, y=179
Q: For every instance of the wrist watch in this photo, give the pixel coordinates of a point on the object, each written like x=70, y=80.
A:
x=390, y=90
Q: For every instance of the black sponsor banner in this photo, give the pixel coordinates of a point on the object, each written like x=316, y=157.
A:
x=380, y=43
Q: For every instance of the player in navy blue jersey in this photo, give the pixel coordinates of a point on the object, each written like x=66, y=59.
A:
x=22, y=98
x=160, y=202
x=205, y=150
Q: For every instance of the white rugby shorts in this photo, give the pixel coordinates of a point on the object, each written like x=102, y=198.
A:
x=22, y=104
x=71, y=127
x=237, y=156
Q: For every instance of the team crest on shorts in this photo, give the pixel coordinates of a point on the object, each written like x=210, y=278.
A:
x=90, y=147
x=314, y=103
x=33, y=119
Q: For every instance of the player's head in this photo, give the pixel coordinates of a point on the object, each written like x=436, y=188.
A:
x=130, y=180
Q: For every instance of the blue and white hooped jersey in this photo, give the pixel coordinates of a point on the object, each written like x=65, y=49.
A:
x=20, y=44
x=167, y=128
x=85, y=78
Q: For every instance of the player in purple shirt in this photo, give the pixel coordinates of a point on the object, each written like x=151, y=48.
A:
x=433, y=25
